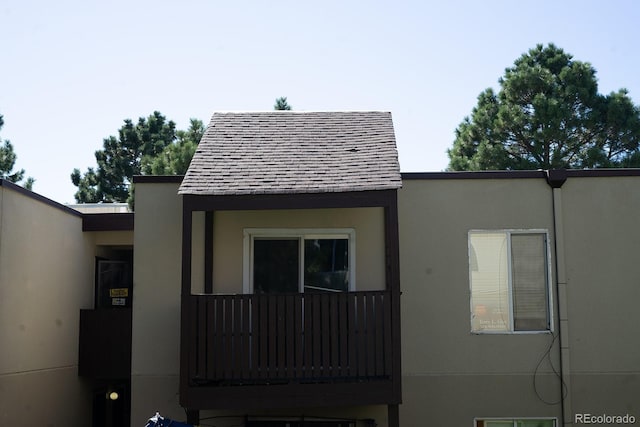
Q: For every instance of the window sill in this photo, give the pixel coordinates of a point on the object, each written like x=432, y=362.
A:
x=547, y=332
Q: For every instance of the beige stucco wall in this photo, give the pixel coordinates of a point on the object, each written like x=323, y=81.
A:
x=600, y=217
x=450, y=375
x=46, y=276
x=112, y=238
x=155, y=364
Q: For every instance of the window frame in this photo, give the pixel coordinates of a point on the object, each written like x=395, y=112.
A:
x=514, y=420
x=251, y=234
x=549, y=281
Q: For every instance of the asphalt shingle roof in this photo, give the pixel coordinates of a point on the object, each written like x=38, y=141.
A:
x=294, y=152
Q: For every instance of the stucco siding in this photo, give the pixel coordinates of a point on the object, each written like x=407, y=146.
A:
x=112, y=238
x=601, y=229
x=46, y=276
x=435, y=219
x=451, y=375
x=455, y=400
x=600, y=217
x=53, y=396
x=155, y=363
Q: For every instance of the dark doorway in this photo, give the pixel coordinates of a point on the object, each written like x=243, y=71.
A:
x=111, y=405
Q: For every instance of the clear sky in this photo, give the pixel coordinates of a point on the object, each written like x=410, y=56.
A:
x=72, y=70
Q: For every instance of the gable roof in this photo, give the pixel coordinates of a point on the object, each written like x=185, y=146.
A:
x=294, y=152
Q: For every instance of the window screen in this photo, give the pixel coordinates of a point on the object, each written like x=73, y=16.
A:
x=529, y=278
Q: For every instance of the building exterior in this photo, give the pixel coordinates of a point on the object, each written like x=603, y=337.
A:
x=49, y=256
x=295, y=277
x=276, y=313
x=583, y=357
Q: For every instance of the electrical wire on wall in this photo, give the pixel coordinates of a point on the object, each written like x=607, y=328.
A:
x=547, y=356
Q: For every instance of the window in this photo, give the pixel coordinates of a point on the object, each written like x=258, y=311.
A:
x=527, y=422
x=299, y=260
x=114, y=281
x=509, y=274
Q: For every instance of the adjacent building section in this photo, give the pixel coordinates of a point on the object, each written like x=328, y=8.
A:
x=45, y=277
x=55, y=363
x=518, y=303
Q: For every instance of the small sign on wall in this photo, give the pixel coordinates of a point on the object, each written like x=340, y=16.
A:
x=119, y=292
x=119, y=301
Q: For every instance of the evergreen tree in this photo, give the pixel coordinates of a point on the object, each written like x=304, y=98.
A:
x=281, y=104
x=121, y=158
x=175, y=158
x=8, y=159
x=548, y=114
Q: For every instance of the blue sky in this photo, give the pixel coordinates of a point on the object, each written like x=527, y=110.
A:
x=72, y=70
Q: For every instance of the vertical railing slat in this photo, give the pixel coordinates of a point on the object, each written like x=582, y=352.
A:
x=298, y=350
x=255, y=337
x=209, y=306
x=325, y=329
x=387, y=335
x=246, y=336
x=227, y=333
x=289, y=337
x=194, y=332
x=263, y=336
x=362, y=339
x=218, y=339
x=200, y=355
x=308, y=336
x=272, y=336
x=317, y=337
x=343, y=319
x=236, y=336
x=371, y=336
x=334, y=336
x=379, y=331
x=353, y=336
x=280, y=337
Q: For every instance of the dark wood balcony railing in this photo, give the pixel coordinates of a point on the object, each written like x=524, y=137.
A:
x=290, y=338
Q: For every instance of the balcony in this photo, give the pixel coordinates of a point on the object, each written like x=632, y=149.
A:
x=248, y=352
x=276, y=348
